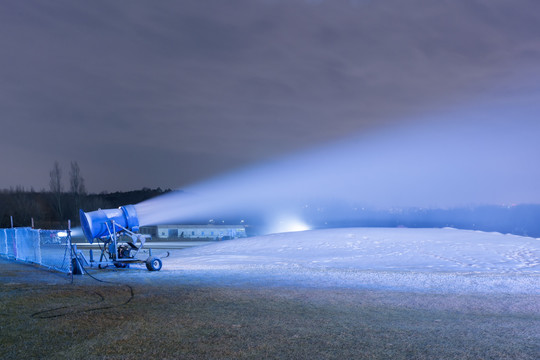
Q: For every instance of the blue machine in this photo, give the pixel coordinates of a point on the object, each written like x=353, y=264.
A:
x=101, y=223
x=117, y=229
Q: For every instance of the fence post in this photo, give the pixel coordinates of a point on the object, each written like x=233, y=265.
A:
x=11, y=219
x=15, y=244
x=71, y=265
x=4, y=243
x=37, y=246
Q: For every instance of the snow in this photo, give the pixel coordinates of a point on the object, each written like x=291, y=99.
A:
x=433, y=260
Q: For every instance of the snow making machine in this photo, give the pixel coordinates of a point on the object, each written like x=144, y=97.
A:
x=118, y=230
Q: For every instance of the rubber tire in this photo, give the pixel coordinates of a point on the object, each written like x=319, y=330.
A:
x=153, y=264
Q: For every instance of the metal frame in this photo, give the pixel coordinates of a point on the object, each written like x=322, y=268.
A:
x=111, y=249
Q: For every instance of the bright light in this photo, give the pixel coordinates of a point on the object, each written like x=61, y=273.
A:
x=77, y=231
x=289, y=224
x=62, y=234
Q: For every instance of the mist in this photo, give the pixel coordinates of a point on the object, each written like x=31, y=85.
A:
x=483, y=155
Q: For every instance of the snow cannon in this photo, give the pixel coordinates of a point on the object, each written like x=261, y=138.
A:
x=122, y=244
x=103, y=223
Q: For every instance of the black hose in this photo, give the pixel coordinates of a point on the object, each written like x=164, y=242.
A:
x=43, y=314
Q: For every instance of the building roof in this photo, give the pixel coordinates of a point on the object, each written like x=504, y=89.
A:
x=200, y=226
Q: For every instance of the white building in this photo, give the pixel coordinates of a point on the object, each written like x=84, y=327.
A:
x=206, y=232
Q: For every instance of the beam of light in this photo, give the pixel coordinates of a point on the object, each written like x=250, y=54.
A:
x=286, y=223
x=485, y=155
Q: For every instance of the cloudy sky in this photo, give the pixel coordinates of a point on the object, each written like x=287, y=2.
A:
x=169, y=93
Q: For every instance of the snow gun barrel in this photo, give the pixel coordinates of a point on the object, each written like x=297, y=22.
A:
x=104, y=222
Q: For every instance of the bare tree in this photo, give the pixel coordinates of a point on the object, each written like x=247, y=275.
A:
x=55, y=185
x=76, y=181
x=77, y=188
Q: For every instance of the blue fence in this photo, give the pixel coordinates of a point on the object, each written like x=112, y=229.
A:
x=48, y=248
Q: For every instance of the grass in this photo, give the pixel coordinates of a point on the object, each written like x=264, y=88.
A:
x=44, y=317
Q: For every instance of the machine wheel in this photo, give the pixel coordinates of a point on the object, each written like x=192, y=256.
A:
x=153, y=264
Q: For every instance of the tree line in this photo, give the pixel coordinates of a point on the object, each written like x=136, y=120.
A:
x=53, y=208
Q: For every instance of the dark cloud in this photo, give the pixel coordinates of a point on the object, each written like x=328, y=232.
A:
x=168, y=93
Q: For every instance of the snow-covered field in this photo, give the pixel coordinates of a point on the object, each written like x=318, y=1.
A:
x=432, y=260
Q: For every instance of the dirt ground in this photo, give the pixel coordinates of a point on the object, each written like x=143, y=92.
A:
x=43, y=315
